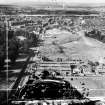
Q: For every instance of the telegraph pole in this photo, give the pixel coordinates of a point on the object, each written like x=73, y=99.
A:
x=6, y=23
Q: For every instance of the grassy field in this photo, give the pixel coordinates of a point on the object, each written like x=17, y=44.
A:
x=66, y=45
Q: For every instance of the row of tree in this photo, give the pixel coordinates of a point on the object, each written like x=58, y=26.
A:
x=15, y=46
x=96, y=34
x=12, y=48
x=2, y=47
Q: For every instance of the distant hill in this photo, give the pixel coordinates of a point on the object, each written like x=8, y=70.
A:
x=55, y=4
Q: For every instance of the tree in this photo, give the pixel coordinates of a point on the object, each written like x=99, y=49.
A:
x=35, y=39
x=2, y=47
x=2, y=56
x=13, y=49
x=93, y=65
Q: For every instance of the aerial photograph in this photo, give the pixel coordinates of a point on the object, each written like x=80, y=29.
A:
x=52, y=52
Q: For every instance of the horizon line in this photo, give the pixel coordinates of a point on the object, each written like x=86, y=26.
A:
x=57, y=3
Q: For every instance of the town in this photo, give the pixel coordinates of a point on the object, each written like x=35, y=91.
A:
x=41, y=46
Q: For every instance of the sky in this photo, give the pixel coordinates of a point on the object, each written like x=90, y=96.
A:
x=66, y=1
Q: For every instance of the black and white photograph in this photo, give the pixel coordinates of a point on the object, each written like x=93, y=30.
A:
x=52, y=52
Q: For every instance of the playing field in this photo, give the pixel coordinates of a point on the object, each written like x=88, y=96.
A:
x=67, y=45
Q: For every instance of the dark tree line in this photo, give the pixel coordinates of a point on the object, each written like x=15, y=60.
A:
x=96, y=34
x=13, y=47
x=2, y=47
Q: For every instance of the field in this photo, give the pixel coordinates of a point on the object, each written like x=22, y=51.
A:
x=67, y=45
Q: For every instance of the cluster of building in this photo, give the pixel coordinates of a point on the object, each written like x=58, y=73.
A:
x=38, y=24
x=69, y=68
